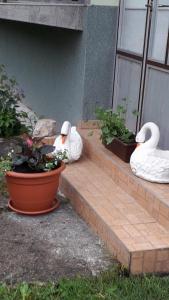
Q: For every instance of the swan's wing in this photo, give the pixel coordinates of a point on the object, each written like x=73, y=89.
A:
x=76, y=144
x=56, y=141
x=152, y=166
x=58, y=145
x=161, y=154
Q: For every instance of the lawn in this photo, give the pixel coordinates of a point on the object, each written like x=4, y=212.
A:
x=113, y=284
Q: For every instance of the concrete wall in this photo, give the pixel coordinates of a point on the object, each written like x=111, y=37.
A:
x=48, y=64
x=100, y=58
x=65, y=74
x=105, y=2
x=48, y=14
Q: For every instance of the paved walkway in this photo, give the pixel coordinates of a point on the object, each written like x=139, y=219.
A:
x=48, y=247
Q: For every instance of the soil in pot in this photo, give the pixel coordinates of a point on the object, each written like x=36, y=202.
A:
x=24, y=168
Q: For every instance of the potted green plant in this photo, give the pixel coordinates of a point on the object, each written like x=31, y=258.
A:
x=32, y=174
x=114, y=134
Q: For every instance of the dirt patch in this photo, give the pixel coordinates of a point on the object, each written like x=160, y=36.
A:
x=48, y=247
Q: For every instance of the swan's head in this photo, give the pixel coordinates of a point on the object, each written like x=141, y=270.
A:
x=140, y=137
x=65, y=131
x=155, y=134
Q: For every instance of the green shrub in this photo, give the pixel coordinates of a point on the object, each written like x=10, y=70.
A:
x=11, y=121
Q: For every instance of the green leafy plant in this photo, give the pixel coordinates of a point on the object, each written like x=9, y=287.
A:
x=112, y=125
x=30, y=156
x=12, y=122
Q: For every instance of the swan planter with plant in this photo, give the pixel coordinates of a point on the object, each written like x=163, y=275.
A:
x=70, y=141
x=147, y=161
x=32, y=174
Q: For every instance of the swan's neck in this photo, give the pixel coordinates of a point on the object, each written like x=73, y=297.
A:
x=155, y=135
x=64, y=139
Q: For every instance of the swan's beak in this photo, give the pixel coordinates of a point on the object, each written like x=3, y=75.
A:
x=63, y=138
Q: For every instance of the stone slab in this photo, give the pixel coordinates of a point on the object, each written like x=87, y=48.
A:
x=58, y=15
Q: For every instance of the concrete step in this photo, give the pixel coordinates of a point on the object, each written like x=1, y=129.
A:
x=131, y=215
x=129, y=231
x=153, y=197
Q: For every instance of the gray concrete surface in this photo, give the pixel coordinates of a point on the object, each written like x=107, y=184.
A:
x=48, y=64
x=92, y=2
x=49, y=247
x=64, y=73
x=101, y=35
x=58, y=15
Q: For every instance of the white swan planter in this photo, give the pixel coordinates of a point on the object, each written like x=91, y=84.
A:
x=69, y=140
x=148, y=162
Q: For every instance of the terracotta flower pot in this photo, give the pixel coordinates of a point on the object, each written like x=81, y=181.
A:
x=122, y=150
x=33, y=193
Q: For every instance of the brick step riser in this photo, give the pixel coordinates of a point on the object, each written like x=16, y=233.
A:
x=83, y=208
x=130, y=184
x=138, y=261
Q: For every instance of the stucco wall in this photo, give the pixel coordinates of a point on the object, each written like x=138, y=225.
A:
x=65, y=74
x=48, y=64
x=100, y=58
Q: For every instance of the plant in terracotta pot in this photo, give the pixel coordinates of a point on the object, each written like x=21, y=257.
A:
x=32, y=173
x=114, y=134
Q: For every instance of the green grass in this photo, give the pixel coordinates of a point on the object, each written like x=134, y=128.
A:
x=110, y=285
